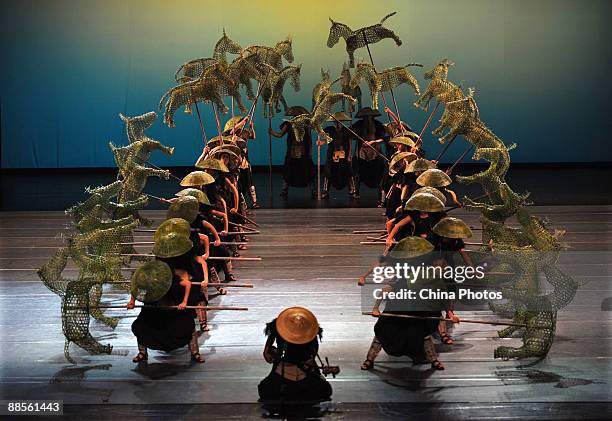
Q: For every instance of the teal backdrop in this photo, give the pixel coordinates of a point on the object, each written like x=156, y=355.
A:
x=540, y=69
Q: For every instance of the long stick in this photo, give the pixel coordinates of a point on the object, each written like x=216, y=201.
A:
x=270, y=186
x=368, y=231
x=443, y=151
x=199, y=119
x=143, y=243
x=475, y=199
x=452, y=167
x=360, y=138
x=157, y=168
x=217, y=118
x=482, y=322
x=318, y=170
x=210, y=284
x=208, y=308
x=241, y=226
x=365, y=39
x=245, y=259
x=420, y=138
x=248, y=220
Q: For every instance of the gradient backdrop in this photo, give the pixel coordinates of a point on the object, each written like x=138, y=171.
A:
x=540, y=67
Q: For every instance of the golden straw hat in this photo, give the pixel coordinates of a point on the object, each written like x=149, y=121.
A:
x=297, y=325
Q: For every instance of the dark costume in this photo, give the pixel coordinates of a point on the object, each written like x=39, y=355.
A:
x=368, y=166
x=167, y=329
x=338, y=171
x=313, y=387
x=299, y=170
x=419, y=226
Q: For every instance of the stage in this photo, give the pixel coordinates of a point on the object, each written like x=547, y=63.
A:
x=310, y=258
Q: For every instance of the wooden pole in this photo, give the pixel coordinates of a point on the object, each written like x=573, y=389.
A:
x=360, y=138
x=270, y=184
x=443, y=151
x=420, y=138
x=482, y=322
x=450, y=170
x=199, y=118
x=365, y=39
x=318, y=170
x=207, y=308
x=244, y=259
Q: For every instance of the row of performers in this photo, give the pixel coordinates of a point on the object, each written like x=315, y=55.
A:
x=418, y=232
x=349, y=161
x=205, y=219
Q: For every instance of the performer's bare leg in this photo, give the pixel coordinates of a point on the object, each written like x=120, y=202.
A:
x=430, y=352
x=373, y=352
x=142, y=354
x=194, y=348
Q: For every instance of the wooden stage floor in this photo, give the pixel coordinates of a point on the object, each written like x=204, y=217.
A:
x=310, y=258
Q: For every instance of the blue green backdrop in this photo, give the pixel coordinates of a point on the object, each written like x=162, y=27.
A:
x=69, y=67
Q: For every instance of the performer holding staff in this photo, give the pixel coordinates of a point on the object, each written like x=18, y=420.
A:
x=166, y=329
x=368, y=166
x=338, y=170
x=299, y=170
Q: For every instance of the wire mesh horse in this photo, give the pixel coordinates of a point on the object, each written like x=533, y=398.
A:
x=360, y=37
x=384, y=81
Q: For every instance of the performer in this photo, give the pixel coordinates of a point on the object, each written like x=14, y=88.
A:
x=450, y=233
x=368, y=166
x=407, y=336
x=295, y=375
x=421, y=213
x=395, y=180
x=243, y=135
x=338, y=171
x=168, y=329
x=299, y=170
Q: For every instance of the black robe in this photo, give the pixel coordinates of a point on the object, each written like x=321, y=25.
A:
x=167, y=329
x=369, y=166
x=299, y=169
x=311, y=388
x=338, y=172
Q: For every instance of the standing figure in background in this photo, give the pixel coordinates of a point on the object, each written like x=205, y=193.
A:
x=299, y=170
x=368, y=166
x=338, y=171
x=243, y=135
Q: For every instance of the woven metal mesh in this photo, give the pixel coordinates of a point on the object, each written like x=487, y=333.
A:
x=385, y=80
x=319, y=115
x=348, y=89
x=272, y=91
x=530, y=251
x=75, y=319
x=360, y=37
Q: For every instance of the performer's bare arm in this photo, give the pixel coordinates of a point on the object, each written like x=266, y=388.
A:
x=396, y=228
x=213, y=230
x=376, y=308
x=236, y=195
x=405, y=192
x=202, y=261
x=453, y=196
x=132, y=303
x=185, y=283
x=225, y=218
x=282, y=132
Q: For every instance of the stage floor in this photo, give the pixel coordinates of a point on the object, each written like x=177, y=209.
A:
x=310, y=258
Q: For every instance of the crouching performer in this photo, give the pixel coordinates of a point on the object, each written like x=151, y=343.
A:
x=292, y=348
